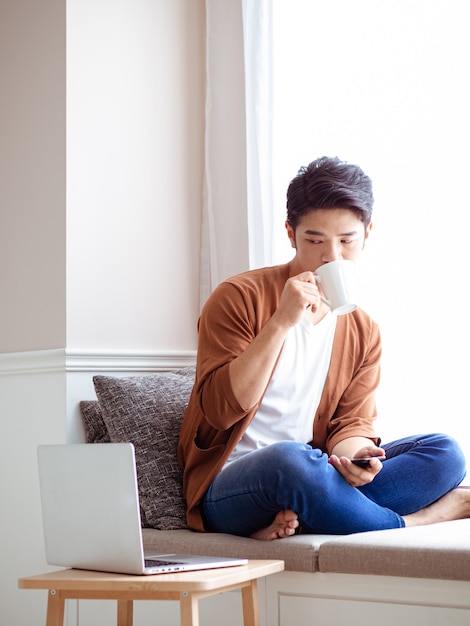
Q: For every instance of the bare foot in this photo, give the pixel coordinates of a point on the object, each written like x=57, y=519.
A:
x=284, y=525
x=454, y=505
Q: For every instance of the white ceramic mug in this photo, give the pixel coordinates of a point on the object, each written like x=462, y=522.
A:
x=337, y=282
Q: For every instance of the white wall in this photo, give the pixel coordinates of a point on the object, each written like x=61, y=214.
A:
x=100, y=203
x=101, y=165
x=135, y=89
x=32, y=174
x=32, y=408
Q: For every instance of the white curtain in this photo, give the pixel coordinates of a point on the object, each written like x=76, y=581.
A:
x=237, y=208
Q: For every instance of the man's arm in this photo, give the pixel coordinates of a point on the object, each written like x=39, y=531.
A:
x=251, y=371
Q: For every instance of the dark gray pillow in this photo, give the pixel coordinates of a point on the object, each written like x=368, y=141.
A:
x=95, y=428
x=147, y=411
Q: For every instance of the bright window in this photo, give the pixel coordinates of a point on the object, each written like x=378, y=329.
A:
x=386, y=85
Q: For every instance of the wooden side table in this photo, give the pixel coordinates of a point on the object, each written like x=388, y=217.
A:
x=187, y=587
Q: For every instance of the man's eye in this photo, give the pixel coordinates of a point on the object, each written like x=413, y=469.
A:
x=313, y=240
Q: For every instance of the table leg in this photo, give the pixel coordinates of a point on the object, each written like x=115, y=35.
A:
x=125, y=612
x=55, y=608
x=189, y=610
x=250, y=604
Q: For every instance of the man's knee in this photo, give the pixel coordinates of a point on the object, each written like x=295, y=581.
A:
x=291, y=458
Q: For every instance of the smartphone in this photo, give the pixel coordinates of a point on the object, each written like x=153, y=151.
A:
x=365, y=460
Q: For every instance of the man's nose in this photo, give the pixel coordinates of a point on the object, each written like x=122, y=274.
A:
x=332, y=252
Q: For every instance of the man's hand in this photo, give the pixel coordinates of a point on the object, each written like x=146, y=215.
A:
x=300, y=293
x=356, y=475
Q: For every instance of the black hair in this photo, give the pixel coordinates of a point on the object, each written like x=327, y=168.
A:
x=329, y=183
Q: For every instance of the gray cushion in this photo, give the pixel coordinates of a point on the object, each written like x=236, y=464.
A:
x=147, y=411
x=95, y=428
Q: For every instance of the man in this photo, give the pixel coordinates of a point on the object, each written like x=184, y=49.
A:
x=284, y=395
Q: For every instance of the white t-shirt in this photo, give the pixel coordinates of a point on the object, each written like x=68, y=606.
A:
x=295, y=389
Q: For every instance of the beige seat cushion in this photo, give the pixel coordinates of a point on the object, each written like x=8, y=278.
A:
x=299, y=553
x=434, y=551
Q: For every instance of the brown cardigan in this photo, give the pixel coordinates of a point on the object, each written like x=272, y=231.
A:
x=214, y=421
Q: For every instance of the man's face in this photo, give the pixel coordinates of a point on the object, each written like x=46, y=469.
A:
x=326, y=235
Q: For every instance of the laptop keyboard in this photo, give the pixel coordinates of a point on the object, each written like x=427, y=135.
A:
x=157, y=562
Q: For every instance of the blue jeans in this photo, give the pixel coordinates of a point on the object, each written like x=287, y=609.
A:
x=248, y=493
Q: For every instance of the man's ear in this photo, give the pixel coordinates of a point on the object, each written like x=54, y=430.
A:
x=290, y=234
x=367, y=232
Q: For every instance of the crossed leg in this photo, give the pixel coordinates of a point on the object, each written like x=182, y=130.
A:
x=452, y=506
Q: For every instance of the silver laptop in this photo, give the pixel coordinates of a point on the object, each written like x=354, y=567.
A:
x=91, y=514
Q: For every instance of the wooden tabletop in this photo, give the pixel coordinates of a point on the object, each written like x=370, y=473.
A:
x=75, y=579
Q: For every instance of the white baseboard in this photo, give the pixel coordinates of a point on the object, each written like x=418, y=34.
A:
x=128, y=360
x=35, y=361
x=89, y=360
